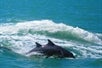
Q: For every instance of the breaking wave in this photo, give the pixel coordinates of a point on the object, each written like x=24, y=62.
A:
x=21, y=37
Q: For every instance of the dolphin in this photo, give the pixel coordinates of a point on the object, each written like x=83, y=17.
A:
x=51, y=49
x=38, y=48
x=57, y=50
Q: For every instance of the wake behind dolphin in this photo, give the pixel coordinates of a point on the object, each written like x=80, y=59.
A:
x=50, y=49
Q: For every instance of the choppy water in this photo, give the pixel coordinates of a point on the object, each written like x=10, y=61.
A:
x=74, y=25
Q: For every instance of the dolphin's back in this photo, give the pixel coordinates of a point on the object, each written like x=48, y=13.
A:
x=51, y=49
x=64, y=52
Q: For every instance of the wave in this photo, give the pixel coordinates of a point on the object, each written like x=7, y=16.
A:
x=21, y=37
x=49, y=28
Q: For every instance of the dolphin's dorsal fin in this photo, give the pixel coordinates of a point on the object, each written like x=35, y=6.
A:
x=50, y=43
x=37, y=44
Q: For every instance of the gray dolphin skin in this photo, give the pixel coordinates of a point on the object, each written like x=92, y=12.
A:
x=38, y=48
x=50, y=49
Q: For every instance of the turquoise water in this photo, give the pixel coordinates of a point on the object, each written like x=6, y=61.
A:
x=75, y=25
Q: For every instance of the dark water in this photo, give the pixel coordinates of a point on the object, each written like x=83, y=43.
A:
x=75, y=25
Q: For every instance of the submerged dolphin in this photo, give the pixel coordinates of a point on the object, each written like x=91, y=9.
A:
x=50, y=49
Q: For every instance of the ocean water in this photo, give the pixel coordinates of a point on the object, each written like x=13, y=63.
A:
x=75, y=25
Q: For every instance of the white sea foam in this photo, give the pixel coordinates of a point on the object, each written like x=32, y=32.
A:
x=50, y=26
x=23, y=43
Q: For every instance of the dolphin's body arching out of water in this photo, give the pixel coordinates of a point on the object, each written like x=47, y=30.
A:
x=50, y=49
